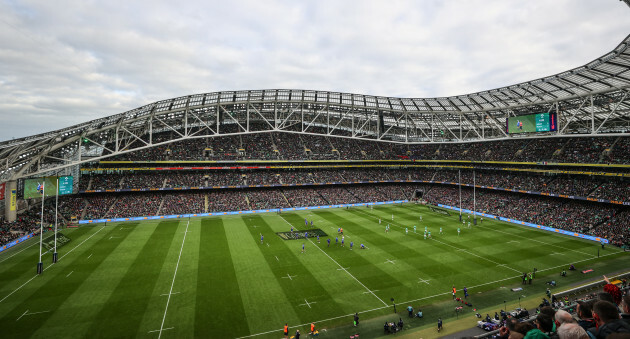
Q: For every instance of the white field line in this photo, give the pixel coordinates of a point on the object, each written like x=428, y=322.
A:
x=478, y=256
x=164, y=329
x=168, y=294
x=69, y=274
x=342, y=268
x=539, y=241
x=88, y=238
x=173, y=282
x=27, y=314
x=410, y=301
x=20, y=317
x=458, y=248
x=29, y=246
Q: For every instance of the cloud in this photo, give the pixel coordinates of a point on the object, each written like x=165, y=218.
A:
x=66, y=62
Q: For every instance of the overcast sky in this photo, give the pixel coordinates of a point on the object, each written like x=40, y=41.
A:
x=67, y=62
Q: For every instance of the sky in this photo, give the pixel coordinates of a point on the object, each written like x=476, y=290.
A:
x=67, y=62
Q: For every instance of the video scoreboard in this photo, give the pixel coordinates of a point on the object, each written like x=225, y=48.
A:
x=32, y=187
x=532, y=123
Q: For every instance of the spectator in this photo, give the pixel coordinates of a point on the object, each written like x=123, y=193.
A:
x=607, y=319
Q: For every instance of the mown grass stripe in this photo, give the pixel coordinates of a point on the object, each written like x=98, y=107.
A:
x=55, y=291
x=13, y=266
x=219, y=301
x=303, y=284
x=122, y=313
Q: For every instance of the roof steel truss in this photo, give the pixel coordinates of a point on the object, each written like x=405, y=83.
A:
x=590, y=100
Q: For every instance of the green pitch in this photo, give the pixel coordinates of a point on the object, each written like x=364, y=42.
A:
x=213, y=278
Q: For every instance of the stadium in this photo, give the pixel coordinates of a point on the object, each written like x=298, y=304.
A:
x=230, y=214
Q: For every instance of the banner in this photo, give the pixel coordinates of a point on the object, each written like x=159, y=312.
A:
x=2, y=185
x=13, y=203
x=16, y=241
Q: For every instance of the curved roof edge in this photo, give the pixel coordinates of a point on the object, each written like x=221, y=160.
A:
x=610, y=72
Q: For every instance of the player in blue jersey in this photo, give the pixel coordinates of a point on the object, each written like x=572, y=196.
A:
x=328, y=242
x=303, y=248
x=351, y=244
x=261, y=238
x=318, y=238
x=342, y=241
x=336, y=240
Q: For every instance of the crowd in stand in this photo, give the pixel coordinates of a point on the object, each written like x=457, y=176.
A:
x=26, y=223
x=616, y=229
x=620, y=152
x=585, y=150
x=101, y=182
x=258, y=146
x=141, y=204
x=573, y=215
x=265, y=199
x=98, y=206
x=604, y=220
x=70, y=206
x=184, y=179
x=293, y=146
x=601, y=315
x=304, y=197
x=262, y=178
x=144, y=180
x=296, y=177
x=339, y=195
x=183, y=203
x=223, y=201
x=579, y=186
x=598, y=219
x=616, y=189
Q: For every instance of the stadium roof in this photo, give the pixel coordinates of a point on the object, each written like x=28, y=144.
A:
x=589, y=100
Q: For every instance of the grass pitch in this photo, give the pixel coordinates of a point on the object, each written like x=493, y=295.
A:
x=213, y=278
